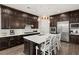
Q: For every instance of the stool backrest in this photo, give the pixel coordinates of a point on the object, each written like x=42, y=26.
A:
x=45, y=46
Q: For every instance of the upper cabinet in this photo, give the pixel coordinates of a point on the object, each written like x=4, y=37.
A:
x=72, y=17
x=64, y=17
x=53, y=20
x=15, y=19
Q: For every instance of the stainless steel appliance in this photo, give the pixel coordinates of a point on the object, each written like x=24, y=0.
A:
x=53, y=30
x=74, y=25
x=63, y=28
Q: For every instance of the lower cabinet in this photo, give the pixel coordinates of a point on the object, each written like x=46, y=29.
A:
x=29, y=47
x=8, y=42
x=16, y=40
x=74, y=39
x=4, y=43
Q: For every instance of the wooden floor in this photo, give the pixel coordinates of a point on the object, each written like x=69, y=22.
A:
x=66, y=49
x=17, y=50
x=69, y=49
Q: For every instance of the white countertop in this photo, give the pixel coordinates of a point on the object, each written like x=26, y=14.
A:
x=74, y=33
x=8, y=35
x=1, y=35
x=37, y=38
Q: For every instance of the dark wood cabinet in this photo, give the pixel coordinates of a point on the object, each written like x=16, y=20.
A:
x=35, y=22
x=53, y=21
x=74, y=17
x=5, y=21
x=4, y=43
x=56, y=18
x=15, y=19
x=29, y=47
x=71, y=16
x=15, y=40
x=32, y=20
x=12, y=41
x=64, y=17
x=74, y=39
x=8, y=42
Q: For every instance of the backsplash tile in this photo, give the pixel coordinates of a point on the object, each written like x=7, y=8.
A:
x=17, y=31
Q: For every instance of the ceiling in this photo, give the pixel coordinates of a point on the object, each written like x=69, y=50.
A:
x=45, y=9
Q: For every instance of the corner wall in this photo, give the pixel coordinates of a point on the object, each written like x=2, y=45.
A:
x=44, y=25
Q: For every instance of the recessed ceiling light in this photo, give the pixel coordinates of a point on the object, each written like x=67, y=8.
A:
x=28, y=7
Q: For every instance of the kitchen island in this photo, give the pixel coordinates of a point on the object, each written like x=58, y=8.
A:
x=30, y=42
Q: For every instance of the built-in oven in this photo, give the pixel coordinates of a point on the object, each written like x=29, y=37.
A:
x=74, y=28
x=53, y=30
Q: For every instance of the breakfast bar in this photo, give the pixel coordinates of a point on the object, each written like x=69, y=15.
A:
x=30, y=42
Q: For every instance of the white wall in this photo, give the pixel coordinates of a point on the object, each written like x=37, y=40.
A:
x=44, y=25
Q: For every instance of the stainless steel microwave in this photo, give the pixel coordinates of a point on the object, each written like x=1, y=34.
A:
x=52, y=30
x=74, y=25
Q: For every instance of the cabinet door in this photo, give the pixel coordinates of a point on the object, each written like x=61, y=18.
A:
x=19, y=40
x=74, y=39
x=74, y=16
x=12, y=42
x=25, y=19
x=11, y=22
x=4, y=43
x=27, y=47
x=55, y=21
x=5, y=21
x=18, y=23
x=77, y=41
x=34, y=23
x=15, y=40
x=29, y=20
x=51, y=21
x=6, y=16
x=64, y=17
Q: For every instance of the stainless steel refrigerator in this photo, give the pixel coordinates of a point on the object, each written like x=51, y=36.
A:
x=63, y=28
